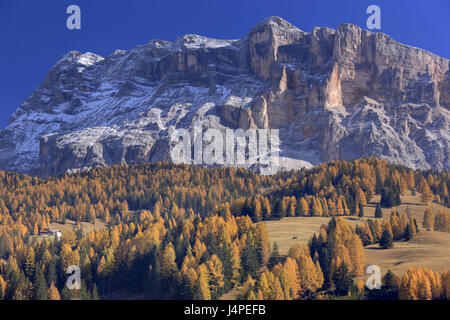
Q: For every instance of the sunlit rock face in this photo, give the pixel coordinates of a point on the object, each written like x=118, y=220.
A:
x=333, y=94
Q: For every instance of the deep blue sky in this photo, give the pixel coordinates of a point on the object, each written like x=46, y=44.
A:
x=33, y=33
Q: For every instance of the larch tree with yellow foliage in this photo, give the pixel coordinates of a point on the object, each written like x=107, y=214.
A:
x=428, y=219
x=53, y=293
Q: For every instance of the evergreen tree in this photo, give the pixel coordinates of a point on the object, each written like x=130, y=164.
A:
x=154, y=279
x=249, y=257
x=325, y=264
x=343, y=279
x=361, y=210
x=266, y=209
x=314, y=245
x=390, y=196
x=390, y=285
x=409, y=233
x=40, y=285
x=275, y=256
x=79, y=234
x=66, y=294
x=262, y=243
x=391, y=281
x=386, y=241
x=280, y=209
x=51, y=272
x=416, y=225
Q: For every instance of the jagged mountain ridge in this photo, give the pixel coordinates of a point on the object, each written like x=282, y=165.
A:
x=333, y=94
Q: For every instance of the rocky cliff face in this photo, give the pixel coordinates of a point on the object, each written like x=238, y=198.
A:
x=333, y=94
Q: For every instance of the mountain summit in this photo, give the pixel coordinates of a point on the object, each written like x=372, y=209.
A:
x=333, y=94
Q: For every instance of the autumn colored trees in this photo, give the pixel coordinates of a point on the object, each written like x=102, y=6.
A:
x=427, y=194
x=188, y=258
x=423, y=284
x=179, y=231
x=397, y=227
x=335, y=257
x=386, y=241
x=428, y=219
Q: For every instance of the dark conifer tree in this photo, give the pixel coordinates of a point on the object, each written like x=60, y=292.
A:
x=386, y=241
x=152, y=288
x=378, y=211
x=325, y=264
x=314, y=245
x=249, y=258
x=361, y=210
x=39, y=284
x=416, y=225
x=279, y=212
x=275, y=256
x=408, y=232
x=342, y=279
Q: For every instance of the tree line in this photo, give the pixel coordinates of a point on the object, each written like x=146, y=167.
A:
x=180, y=231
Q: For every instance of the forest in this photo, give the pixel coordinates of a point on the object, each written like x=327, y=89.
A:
x=189, y=232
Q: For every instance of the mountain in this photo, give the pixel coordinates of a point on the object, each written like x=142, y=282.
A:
x=333, y=94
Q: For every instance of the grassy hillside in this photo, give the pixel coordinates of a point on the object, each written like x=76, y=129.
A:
x=429, y=248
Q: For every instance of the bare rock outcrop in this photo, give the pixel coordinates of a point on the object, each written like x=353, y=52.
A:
x=333, y=94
